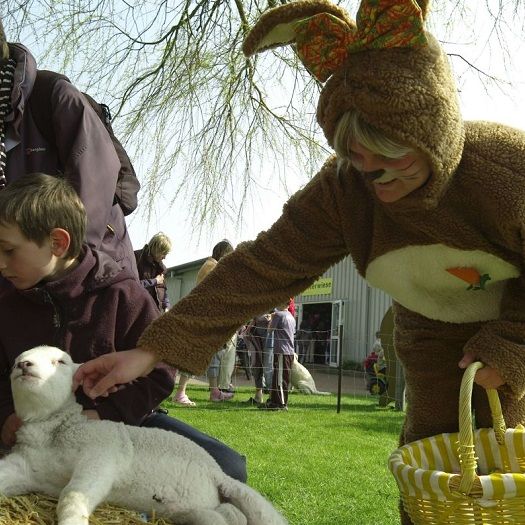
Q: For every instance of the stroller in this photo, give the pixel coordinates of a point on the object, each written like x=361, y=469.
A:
x=375, y=373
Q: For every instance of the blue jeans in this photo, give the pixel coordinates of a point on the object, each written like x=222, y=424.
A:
x=230, y=461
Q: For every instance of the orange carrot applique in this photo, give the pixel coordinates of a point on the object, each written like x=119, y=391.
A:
x=471, y=276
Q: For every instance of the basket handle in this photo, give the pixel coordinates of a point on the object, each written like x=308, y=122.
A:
x=466, y=436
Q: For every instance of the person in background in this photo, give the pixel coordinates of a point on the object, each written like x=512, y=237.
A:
x=256, y=335
x=81, y=150
x=267, y=355
x=376, y=355
x=181, y=397
x=380, y=364
x=222, y=358
x=303, y=338
x=243, y=352
x=151, y=269
x=227, y=366
x=282, y=326
x=291, y=306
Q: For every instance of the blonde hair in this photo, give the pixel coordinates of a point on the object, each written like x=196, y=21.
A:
x=351, y=127
x=4, y=48
x=159, y=245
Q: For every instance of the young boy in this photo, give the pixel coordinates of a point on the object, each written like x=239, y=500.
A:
x=283, y=327
x=68, y=295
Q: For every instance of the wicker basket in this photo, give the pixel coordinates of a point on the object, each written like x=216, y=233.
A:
x=468, y=477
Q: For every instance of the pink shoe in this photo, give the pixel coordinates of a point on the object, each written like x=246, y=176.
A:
x=183, y=400
x=216, y=395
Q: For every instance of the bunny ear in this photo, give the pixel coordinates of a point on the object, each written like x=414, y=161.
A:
x=325, y=35
x=389, y=23
x=323, y=42
x=277, y=26
x=424, y=5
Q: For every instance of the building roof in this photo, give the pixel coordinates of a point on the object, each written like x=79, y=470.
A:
x=191, y=265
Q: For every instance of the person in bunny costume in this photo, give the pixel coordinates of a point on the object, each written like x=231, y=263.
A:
x=430, y=207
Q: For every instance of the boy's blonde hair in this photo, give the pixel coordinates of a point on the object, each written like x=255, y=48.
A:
x=351, y=127
x=38, y=203
x=159, y=245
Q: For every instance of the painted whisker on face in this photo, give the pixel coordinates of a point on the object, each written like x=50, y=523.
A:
x=409, y=177
x=373, y=175
x=409, y=166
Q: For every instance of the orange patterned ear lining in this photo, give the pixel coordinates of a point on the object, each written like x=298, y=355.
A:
x=324, y=41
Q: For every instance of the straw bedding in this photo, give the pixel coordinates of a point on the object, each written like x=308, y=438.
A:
x=36, y=509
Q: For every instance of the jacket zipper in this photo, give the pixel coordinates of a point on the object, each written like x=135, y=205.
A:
x=57, y=318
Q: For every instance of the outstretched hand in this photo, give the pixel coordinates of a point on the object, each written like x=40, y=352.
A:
x=487, y=377
x=102, y=375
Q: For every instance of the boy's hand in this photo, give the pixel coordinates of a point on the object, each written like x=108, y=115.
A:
x=487, y=377
x=160, y=278
x=11, y=425
x=101, y=376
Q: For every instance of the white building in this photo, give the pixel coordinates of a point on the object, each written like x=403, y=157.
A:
x=340, y=298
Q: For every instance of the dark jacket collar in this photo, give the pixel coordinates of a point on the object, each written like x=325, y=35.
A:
x=94, y=270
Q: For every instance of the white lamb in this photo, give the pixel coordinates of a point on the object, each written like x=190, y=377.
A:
x=84, y=462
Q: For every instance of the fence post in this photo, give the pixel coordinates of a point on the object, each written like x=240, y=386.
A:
x=340, y=366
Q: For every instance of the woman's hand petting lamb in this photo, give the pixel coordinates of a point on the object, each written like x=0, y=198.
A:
x=100, y=376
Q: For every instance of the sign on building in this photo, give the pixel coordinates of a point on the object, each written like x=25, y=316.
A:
x=322, y=286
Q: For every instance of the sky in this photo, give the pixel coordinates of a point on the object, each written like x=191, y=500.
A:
x=480, y=99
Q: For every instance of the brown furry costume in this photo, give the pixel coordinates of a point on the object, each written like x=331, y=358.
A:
x=469, y=214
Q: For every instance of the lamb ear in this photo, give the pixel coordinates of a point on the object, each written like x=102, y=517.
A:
x=276, y=27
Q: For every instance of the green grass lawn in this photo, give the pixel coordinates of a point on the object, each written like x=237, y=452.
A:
x=318, y=467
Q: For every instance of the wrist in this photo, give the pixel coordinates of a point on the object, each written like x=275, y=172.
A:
x=149, y=358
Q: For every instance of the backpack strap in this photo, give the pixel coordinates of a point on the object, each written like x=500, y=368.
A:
x=40, y=102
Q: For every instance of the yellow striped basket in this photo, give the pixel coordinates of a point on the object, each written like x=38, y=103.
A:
x=468, y=477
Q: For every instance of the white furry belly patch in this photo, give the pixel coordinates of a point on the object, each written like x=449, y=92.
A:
x=443, y=283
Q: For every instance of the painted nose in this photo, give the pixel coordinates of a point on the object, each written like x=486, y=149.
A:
x=373, y=175
x=370, y=164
